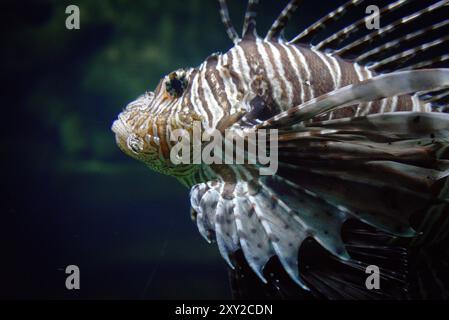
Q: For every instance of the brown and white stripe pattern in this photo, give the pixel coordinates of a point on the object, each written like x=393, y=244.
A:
x=285, y=74
x=290, y=75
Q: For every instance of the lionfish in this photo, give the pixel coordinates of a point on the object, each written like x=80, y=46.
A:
x=363, y=136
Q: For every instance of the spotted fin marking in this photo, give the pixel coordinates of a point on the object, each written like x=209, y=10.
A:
x=396, y=161
x=262, y=225
x=225, y=229
x=329, y=277
x=400, y=58
x=255, y=244
x=426, y=63
x=371, y=55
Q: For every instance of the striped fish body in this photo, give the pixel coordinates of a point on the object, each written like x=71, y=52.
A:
x=286, y=75
x=363, y=157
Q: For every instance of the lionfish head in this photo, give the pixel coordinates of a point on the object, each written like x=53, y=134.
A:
x=143, y=129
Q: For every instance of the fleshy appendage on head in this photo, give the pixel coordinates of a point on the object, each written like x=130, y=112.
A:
x=131, y=128
x=142, y=130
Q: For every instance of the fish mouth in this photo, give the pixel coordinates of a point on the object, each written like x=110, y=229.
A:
x=121, y=131
x=120, y=128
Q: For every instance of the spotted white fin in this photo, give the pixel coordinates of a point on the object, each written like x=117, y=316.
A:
x=322, y=23
x=285, y=233
x=262, y=225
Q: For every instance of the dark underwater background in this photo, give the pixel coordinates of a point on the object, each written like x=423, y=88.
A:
x=69, y=196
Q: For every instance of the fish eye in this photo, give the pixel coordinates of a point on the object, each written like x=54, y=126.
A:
x=134, y=143
x=176, y=84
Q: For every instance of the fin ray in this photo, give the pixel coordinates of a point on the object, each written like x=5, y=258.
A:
x=278, y=26
x=321, y=24
x=341, y=35
x=224, y=14
x=365, y=40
